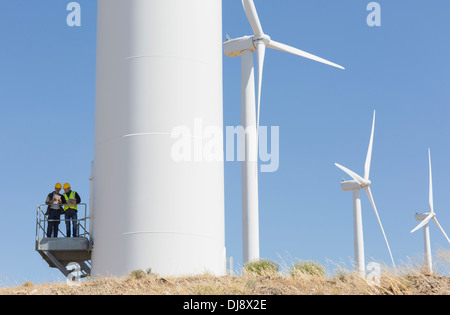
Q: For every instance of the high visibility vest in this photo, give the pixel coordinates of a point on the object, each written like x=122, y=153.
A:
x=69, y=205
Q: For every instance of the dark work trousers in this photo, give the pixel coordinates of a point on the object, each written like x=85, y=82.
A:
x=54, y=217
x=71, y=215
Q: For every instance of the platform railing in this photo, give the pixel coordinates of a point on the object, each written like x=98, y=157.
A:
x=42, y=221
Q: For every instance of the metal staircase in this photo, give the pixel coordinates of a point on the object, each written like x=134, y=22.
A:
x=65, y=252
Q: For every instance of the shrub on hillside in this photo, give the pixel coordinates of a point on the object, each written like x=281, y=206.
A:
x=261, y=267
x=310, y=268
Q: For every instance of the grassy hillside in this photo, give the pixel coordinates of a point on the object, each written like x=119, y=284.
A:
x=302, y=278
x=245, y=285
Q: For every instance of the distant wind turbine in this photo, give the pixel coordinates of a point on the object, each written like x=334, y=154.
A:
x=355, y=185
x=244, y=47
x=425, y=218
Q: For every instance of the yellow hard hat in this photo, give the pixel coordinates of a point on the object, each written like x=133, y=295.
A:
x=58, y=185
x=66, y=186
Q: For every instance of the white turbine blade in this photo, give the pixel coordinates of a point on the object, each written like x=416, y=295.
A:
x=440, y=227
x=369, y=194
x=301, y=53
x=252, y=16
x=261, y=52
x=425, y=221
x=369, y=151
x=430, y=194
x=352, y=174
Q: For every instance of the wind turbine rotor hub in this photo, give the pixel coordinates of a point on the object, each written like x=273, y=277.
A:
x=265, y=39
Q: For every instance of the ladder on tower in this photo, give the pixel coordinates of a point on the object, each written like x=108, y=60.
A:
x=68, y=254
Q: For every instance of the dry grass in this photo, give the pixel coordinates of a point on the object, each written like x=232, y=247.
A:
x=405, y=280
x=246, y=285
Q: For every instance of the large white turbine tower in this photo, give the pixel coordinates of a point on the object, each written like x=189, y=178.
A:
x=159, y=67
x=425, y=218
x=356, y=185
x=244, y=47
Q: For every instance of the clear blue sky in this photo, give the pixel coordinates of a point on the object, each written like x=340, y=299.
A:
x=401, y=69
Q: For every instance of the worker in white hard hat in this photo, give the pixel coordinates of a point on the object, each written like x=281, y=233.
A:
x=54, y=211
x=70, y=201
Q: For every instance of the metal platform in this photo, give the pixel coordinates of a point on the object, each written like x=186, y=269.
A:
x=63, y=252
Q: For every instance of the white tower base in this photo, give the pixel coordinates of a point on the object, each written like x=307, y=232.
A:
x=159, y=67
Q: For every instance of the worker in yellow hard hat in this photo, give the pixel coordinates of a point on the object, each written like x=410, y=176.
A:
x=54, y=211
x=70, y=201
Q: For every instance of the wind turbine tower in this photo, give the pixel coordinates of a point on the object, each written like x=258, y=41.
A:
x=425, y=218
x=159, y=66
x=245, y=47
x=355, y=185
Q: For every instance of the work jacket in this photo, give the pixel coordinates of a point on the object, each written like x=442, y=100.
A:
x=70, y=195
x=50, y=206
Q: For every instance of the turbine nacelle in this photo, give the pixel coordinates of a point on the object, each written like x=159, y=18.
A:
x=235, y=47
x=426, y=218
x=422, y=216
x=349, y=185
x=357, y=182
